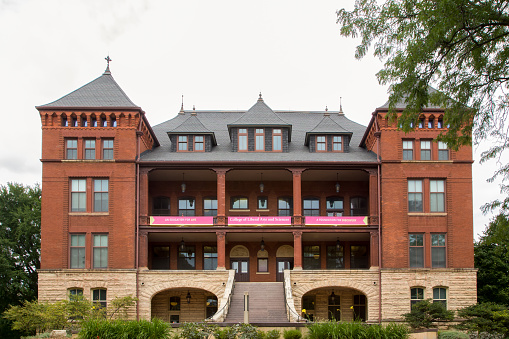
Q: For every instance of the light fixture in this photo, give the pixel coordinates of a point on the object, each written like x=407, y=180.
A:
x=332, y=296
x=183, y=185
x=262, y=245
x=337, y=183
x=262, y=186
x=188, y=297
x=182, y=245
x=338, y=245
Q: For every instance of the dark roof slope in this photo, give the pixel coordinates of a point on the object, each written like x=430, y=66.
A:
x=326, y=126
x=193, y=125
x=259, y=114
x=402, y=103
x=103, y=92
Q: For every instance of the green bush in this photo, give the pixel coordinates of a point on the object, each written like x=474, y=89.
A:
x=124, y=329
x=354, y=330
x=485, y=318
x=273, y=334
x=292, y=334
x=452, y=335
x=225, y=333
x=425, y=313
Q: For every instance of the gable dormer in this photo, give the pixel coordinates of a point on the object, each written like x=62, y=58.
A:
x=260, y=129
x=191, y=136
x=328, y=136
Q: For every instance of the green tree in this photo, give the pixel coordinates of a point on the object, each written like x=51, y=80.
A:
x=492, y=261
x=485, y=318
x=425, y=313
x=20, y=234
x=459, y=47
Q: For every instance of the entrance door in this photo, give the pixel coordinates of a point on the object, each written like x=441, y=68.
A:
x=241, y=267
x=283, y=264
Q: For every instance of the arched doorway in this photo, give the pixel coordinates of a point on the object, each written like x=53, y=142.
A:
x=179, y=305
x=334, y=303
x=239, y=261
x=284, y=261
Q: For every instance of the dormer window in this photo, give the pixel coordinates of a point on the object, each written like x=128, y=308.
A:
x=199, y=143
x=321, y=143
x=242, y=139
x=182, y=143
x=337, y=143
x=277, y=140
x=259, y=139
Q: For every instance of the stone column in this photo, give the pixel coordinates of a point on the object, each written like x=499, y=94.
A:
x=221, y=194
x=221, y=250
x=297, y=195
x=297, y=250
x=143, y=253
x=373, y=244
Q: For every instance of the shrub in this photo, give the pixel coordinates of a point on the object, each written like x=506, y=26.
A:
x=273, y=334
x=196, y=330
x=143, y=329
x=452, y=335
x=485, y=317
x=225, y=333
x=292, y=334
x=354, y=330
x=425, y=312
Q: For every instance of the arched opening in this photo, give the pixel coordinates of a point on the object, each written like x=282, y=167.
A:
x=284, y=261
x=239, y=261
x=179, y=305
x=334, y=303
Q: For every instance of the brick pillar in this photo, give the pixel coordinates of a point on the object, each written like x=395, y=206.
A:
x=373, y=192
x=143, y=260
x=144, y=195
x=221, y=194
x=373, y=250
x=297, y=194
x=221, y=250
x=297, y=250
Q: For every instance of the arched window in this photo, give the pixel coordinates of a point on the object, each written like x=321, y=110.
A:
x=416, y=295
x=99, y=296
x=211, y=305
x=358, y=206
x=440, y=295
x=161, y=206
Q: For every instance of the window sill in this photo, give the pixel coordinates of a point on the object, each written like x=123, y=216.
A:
x=87, y=160
x=427, y=161
x=90, y=213
x=433, y=214
x=239, y=210
x=262, y=272
x=263, y=210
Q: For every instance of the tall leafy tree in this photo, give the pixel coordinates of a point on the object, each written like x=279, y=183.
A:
x=459, y=47
x=20, y=244
x=492, y=260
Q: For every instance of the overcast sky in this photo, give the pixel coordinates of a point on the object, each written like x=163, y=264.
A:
x=218, y=54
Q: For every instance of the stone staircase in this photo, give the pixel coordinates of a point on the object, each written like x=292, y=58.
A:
x=266, y=303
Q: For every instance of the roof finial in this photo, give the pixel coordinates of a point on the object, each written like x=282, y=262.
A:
x=182, y=106
x=326, y=114
x=340, y=106
x=194, y=111
x=260, y=97
x=108, y=59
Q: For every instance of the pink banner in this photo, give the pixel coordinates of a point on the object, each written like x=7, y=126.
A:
x=181, y=221
x=259, y=221
x=336, y=221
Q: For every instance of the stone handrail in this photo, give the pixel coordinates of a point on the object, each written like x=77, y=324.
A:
x=222, y=312
x=292, y=314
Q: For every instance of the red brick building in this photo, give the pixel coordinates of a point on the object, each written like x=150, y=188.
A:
x=353, y=221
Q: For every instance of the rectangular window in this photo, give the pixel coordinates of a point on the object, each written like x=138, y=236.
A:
x=242, y=139
x=77, y=251
x=186, y=207
x=101, y=195
x=259, y=139
x=415, y=196
x=311, y=258
x=408, y=150
x=321, y=143
x=78, y=195
x=161, y=258
x=359, y=256
x=440, y=295
x=337, y=143
x=108, y=149
x=335, y=257
x=186, y=258
x=209, y=257
x=443, y=152
x=285, y=207
x=416, y=250
x=438, y=250
x=277, y=140
x=425, y=150
x=199, y=143
x=182, y=142
x=262, y=203
x=263, y=265
x=308, y=304
x=100, y=251
x=211, y=305
x=359, y=307
x=71, y=149
x=239, y=203
x=437, y=195
x=90, y=149
x=334, y=206
x=210, y=207
x=416, y=295
x=311, y=207
x=99, y=296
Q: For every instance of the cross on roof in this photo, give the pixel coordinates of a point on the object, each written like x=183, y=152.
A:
x=108, y=59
